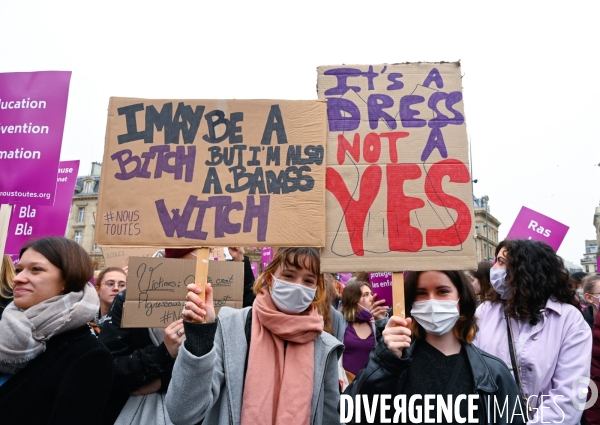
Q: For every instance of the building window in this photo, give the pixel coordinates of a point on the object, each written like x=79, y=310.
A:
x=81, y=215
x=78, y=236
x=89, y=187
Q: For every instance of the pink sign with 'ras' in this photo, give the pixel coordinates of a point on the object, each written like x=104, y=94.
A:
x=530, y=224
x=33, y=106
x=28, y=222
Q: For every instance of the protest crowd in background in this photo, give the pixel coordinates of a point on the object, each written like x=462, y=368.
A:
x=370, y=306
x=273, y=357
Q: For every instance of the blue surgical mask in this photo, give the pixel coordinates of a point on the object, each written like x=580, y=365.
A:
x=498, y=281
x=291, y=298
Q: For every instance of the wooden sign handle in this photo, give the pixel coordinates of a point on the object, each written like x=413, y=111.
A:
x=5, y=210
x=398, y=294
x=202, y=270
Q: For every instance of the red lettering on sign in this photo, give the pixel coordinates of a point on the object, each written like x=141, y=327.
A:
x=457, y=233
x=402, y=236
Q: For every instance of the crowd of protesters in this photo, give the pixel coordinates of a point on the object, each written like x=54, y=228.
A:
x=521, y=328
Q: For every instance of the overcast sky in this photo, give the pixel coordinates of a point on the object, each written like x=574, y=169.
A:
x=531, y=84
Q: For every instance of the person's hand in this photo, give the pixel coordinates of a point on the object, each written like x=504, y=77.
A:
x=396, y=334
x=174, y=336
x=378, y=309
x=236, y=252
x=195, y=309
x=149, y=388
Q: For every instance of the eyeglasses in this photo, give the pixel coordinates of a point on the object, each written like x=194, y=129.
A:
x=111, y=284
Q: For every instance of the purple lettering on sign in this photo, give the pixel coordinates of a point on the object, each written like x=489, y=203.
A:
x=178, y=223
x=531, y=224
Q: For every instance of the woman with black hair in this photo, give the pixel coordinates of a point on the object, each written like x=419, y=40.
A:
x=440, y=360
x=533, y=323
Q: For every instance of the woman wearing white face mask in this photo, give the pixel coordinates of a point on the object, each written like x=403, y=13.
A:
x=440, y=359
x=534, y=323
x=270, y=363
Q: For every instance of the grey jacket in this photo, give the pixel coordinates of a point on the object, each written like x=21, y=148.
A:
x=210, y=387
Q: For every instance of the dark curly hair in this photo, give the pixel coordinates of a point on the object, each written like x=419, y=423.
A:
x=535, y=273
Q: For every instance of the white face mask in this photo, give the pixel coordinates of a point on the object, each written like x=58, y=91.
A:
x=436, y=316
x=291, y=298
x=498, y=281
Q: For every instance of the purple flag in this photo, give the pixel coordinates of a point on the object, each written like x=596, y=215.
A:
x=254, y=269
x=530, y=224
x=33, y=106
x=29, y=222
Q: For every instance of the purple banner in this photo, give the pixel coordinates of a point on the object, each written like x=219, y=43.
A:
x=530, y=224
x=267, y=256
x=28, y=222
x=33, y=106
x=254, y=269
x=381, y=284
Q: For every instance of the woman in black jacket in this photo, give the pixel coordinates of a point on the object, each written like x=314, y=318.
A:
x=439, y=360
x=58, y=372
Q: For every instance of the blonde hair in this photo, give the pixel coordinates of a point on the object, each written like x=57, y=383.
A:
x=7, y=274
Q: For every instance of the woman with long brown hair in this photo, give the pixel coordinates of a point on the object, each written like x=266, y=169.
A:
x=533, y=322
x=430, y=352
x=268, y=364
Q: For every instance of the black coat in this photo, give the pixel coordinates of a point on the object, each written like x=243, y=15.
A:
x=66, y=384
x=385, y=373
x=137, y=360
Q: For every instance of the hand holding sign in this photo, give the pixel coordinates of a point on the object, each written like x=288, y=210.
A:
x=195, y=309
x=396, y=334
x=174, y=336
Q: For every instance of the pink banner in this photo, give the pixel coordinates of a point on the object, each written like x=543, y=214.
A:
x=254, y=269
x=267, y=256
x=381, y=284
x=530, y=224
x=29, y=222
x=33, y=106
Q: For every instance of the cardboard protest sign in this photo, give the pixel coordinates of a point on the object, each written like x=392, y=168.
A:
x=157, y=287
x=381, y=284
x=180, y=173
x=531, y=224
x=33, y=106
x=31, y=221
x=119, y=257
x=398, y=184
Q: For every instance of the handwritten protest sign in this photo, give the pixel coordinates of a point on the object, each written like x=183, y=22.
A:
x=180, y=173
x=531, y=224
x=119, y=257
x=31, y=221
x=156, y=289
x=398, y=184
x=33, y=106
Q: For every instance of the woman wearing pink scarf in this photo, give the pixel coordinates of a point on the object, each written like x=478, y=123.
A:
x=268, y=364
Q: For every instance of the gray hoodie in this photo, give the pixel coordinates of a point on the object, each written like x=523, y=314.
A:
x=210, y=387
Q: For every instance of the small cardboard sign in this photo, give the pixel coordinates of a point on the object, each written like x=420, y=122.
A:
x=381, y=284
x=179, y=173
x=398, y=185
x=157, y=289
x=531, y=224
x=119, y=257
